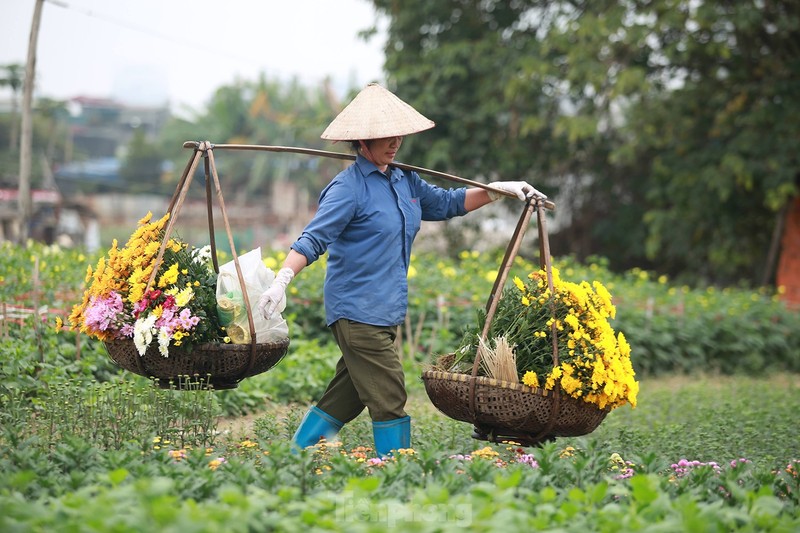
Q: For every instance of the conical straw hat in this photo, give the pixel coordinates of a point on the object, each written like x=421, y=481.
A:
x=375, y=113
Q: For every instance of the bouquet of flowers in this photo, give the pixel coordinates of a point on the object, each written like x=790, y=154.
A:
x=593, y=362
x=179, y=309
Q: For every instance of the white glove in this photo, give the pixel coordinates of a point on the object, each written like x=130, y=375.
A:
x=521, y=189
x=276, y=293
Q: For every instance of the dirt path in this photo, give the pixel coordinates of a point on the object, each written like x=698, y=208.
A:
x=241, y=426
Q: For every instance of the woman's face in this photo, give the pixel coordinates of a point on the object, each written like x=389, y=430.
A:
x=382, y=151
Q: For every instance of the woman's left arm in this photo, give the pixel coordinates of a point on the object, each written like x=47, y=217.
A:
x=475, y=198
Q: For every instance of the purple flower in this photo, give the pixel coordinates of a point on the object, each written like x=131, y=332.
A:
x=186, y=320
x=528, y=459
x=102, y=311
x=626, y=472
x=683, y=467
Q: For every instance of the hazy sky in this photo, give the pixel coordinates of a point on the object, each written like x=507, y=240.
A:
x=152, y=51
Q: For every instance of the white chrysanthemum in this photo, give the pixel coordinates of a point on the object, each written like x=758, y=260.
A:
x=202, y=255
x=143, y=332
x=163, y=341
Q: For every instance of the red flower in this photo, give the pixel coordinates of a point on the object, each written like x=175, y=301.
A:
x=169, y=302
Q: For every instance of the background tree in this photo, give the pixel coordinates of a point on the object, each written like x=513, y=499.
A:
x=723, y=157
x=142, y=166
x=662, y=123
x=263, y=112
x=51, y=129
x=50, y=137
x=12, y=76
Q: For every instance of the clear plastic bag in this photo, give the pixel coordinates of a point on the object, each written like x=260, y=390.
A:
x=230, y=302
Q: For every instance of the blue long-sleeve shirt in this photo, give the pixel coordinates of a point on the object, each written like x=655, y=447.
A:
x=367, y=221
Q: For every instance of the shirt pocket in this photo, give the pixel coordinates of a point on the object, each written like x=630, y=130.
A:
x=413, y=216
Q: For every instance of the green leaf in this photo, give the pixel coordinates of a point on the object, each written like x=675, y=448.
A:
x=644, y=489
x=508, y=481
x=118, y=476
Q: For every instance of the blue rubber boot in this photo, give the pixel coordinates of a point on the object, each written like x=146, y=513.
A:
x=316, y=424
x=391, y=435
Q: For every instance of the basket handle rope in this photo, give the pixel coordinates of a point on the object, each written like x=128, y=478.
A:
x=497, y=291
x=547, y=265
x=205, y=149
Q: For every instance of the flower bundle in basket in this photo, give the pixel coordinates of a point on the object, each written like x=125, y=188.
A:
x=165, y=325
x=550, y=364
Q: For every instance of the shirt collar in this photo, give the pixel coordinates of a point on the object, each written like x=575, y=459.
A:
x=366, y=167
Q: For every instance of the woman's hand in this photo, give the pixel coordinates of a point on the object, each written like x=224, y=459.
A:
x=521, y=189
x=275, y=294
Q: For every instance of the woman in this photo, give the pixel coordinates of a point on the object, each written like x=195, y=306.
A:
x=367, y=219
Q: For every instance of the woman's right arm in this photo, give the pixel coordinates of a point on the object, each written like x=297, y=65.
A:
x=296, y=261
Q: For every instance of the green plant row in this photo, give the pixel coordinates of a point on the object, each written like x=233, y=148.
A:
x=263, y=487
x=670, y=328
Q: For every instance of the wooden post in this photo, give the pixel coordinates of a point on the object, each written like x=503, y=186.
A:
x=37, y=327
x=24, y=203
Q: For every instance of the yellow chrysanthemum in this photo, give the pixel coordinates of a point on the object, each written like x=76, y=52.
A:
x=531, y=379
x=150, y=250
x=595, y=360
x=169, y=277
x=183, y=297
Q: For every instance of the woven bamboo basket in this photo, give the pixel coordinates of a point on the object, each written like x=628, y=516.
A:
x=214, y=365
x=502, y=411
x=505, y=411
x=210, y=365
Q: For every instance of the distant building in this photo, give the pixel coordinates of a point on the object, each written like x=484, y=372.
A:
x=99, y=131
x=99, y=127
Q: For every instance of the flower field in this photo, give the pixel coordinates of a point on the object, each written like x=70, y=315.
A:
x=710, y=446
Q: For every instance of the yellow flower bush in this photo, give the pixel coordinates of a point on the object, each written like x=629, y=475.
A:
x=594, y=362
x=179, y=308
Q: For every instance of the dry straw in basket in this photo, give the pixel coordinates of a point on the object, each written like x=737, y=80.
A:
x=499, y=363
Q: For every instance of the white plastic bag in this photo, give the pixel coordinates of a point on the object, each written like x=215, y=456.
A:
x=230, y=302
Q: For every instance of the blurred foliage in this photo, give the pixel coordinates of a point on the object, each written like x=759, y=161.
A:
x=260, y=112
x=49, y=141
x=142, y=165
x=659, y=126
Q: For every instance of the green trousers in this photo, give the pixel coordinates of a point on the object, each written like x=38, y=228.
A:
x=369, y=374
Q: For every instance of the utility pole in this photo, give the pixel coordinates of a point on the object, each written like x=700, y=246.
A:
x=24, y=203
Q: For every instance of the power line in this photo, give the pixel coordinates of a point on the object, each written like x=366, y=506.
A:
x=144, y=30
